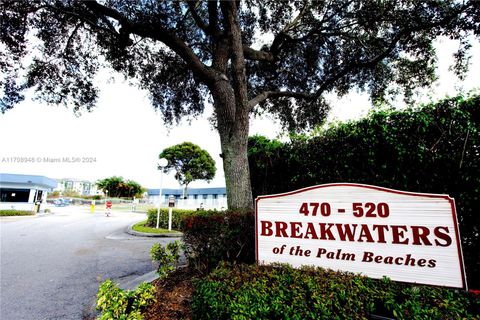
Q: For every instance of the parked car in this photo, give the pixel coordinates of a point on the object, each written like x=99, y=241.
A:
x=61, y=202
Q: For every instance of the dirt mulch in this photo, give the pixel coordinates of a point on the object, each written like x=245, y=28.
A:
x=173, y=296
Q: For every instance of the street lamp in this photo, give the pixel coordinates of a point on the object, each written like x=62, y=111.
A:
x=162, y=163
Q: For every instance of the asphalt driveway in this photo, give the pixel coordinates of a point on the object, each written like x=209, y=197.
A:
x=51, y=265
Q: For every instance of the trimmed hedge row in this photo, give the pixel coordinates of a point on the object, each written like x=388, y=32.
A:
x=211, y=237
x=9, y=212
x=432, y=149
x=177, y=216
x=281, y=292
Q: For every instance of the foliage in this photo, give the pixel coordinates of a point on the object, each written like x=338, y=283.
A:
x=167, y=257
x=11, y=212
x=116, y=303
x=92, y=197
x=336, y=46
x=177, y=216
x=432, y=149
x=268, y=160
x=117, y=187
x=210, y=237
x=54, y=194
x=281, y=292
x=190, y=163
x=182, y=52
x=70, y=193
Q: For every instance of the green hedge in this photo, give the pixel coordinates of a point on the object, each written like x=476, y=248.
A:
x=211, y=236
x=432, y=149
x=281, y=292
x=177, y=216
x=9, y=212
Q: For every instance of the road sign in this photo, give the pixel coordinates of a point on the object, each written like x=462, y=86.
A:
x=171, y=201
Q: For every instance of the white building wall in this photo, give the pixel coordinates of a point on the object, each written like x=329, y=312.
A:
x=16, y=206
x=31, y=197
x=85, y=188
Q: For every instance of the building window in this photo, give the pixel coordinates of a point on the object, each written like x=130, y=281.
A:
x=195, y=196
x=205, y=196
x=215, y=196
x=14, y=195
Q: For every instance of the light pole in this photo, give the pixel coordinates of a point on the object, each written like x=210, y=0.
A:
x=162, y=163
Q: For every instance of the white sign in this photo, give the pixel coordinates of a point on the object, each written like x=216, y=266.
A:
x=409, y=237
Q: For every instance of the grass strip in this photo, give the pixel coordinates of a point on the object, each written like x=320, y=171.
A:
x=140, y=227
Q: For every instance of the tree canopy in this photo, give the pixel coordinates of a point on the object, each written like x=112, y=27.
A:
x=190, y=163
x=118, y=187
x=246, y=57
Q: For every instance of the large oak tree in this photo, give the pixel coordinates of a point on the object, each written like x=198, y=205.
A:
x=280, y=57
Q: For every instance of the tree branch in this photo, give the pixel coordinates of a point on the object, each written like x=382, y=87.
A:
x=389, y=49
x=106, y=11
x=198, y=20
x=159, y=33
x=296, y=21
x=70, y=39
x=348, y=68
x=258, y=55
x=209, y=29
x=357, y=65
x=81, y=18
x=278, y=94
x=213, y=17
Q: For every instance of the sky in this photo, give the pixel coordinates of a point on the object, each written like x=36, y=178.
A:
x=123, y=135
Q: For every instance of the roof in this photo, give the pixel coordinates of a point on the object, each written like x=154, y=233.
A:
x=28, y=179
x=192, y=191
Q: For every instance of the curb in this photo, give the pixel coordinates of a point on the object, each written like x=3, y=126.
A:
x=91, y=312
x=43, y=214
x=133, y=284
x=132, y=232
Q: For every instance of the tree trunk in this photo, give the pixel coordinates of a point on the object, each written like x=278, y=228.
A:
x=233, y=125
x=231, y=108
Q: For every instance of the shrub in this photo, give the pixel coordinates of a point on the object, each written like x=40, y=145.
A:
x=211, y=236
x=281, y=292
x=432, y=149
x=9, y=212
x=177, y=215
x=167, y=257
x=115, y=303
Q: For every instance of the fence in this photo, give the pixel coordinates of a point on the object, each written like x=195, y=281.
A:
x=142, y=205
